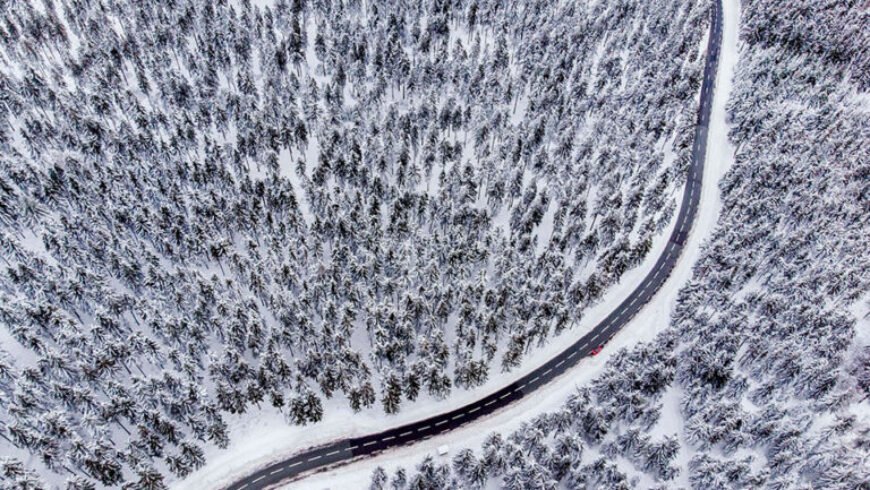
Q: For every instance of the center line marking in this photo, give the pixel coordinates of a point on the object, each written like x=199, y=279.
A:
x=385, y=439
x=474, y=409
x=295, y=464
x=560, y=363
x=456, y=417
x=439, y=424
x=548, y=371
x=504, y=396
x=489, y=403
x=426, y=427
x=258, y=479
x=279, y=470
x=369, y=443
x=315, y=458
x=403, y=434
x=332, y=453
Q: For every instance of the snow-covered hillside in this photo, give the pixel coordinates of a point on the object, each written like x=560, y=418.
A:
x=219, y=212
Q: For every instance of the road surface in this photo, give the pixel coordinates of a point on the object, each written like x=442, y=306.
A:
x=408, y=434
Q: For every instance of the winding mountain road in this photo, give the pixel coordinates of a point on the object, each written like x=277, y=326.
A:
x=348, y=449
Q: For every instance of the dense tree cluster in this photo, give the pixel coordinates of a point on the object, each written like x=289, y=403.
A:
x=582, y=445
x=209, y=207
x=767, y=362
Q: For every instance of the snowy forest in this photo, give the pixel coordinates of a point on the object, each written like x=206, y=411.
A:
x=762, y=379
x=209, y=209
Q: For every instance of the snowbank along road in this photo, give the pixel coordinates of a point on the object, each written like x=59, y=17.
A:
x=347, y=449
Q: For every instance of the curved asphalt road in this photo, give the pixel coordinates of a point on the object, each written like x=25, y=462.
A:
x=348, y=449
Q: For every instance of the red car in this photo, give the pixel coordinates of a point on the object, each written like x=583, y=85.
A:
x=596, y=350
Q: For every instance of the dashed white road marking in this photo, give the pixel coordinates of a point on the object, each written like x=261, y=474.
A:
x=279, y=470
x=370, y=443
x=314, y=458
x=560, y=363
x=258, y=479
x=295, y=464
x=333, y=453
x=385, y=439
x=474, y=409
x=548, y=371
x=504, y=396
x=243, y=486
x=425, y=427
x=403, y=434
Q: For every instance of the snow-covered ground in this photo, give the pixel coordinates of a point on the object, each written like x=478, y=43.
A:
x=257, y=442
